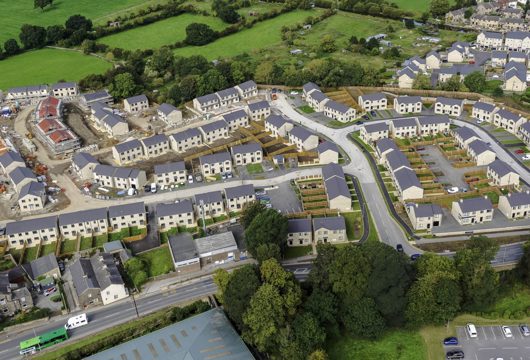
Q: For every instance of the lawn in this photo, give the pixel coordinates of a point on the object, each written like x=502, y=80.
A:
x=254, y=168
x=297, y=251
x=21, y=12
x=512, y=142
x=48, y=249
x=306, y=109
x=265, y=34
x=30, y=254
x=159, y=261
x=372, y=233
x=396, y=344
x=350, y=219
x=47, y=66
x=164, y=32
x=101, y=239
x=68, y=246
x=415, y=6
x=86, y=243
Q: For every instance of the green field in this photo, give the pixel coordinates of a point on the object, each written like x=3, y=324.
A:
x=395, y=345
x=158, y=260
x=48, y=66
x=415, y=6
x=164, y=32
x=263, y=35
x=20, y=12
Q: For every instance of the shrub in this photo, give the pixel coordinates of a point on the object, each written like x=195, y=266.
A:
x=56, y=298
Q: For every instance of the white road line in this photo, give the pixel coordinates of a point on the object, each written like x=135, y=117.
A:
x=493, y=332
x=484, y=332
x=476, y=357
x=510, y=348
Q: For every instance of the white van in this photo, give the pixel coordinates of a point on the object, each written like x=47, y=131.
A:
x=471, y=330
x=76, y=321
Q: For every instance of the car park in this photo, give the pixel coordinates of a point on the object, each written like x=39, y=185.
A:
x=451, y=341
x=471, y=330
x=455, y=354
x=524, y=330
x=506, y=331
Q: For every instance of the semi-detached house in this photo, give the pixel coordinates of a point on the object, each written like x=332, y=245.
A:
x=209, y=205
x=136, y=104
x=127, y=216
x=432, y=125
x=483, y=111
x=472, y=211
x=404, y=128
x=236, y=119
x=328, y=153
x=128, y=151
x=155, y=145
x=502, y=174
x=424, y=216
x=169, y=114
x=11, y=160
x=250, y=153
x=407, y=104
x=83, y=165
x=174, y=215
x=480, y=152
x=247, y=90
x=32, y=232
x=206, y=103
x=299, y=232
x=448, y=106
x=227, y=96
x=329, y=230
x=20, y=176
x=214, y=131
x=384, y=147
x=339, y=111
x=278, y=126
x=371, y=133
x=238, y=197
x=508, y=120
x=374, y=101
x=259, y=110
x=32, y=197
x=86, y=223
x=524, y=133
x=316, y=99
x=515, y=205
x=64, y=90
x=186, y=140
x=170, y=173
x=303, y=139
x=215, y=163
x=464, y=136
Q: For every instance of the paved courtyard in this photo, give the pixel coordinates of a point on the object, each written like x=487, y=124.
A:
x=284, y=198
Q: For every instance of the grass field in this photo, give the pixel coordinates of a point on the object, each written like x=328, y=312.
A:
x=47, y=66
x=21, y=12
x=263, y=35
x=159, y=261
x=164, y=32
x=395, y=345
x=416, y=6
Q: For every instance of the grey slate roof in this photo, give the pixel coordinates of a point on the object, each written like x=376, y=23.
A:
x=396, y=160
x=516, y=55
x=484, y=106
x=525, y=127
x=170, y=167
x=310, y=86
x=126, y=173
x=493, y=35
x=318, y=96
x=104, y=170
x=32, y=188
x=82, y=159
x=227, y=93
x=518, y=199
x=503, y=113
x=209, y=197
x=216, y=243
x=407, y=71
x=112, y=120
x=155, y=139
x=239, y=191
x=327, y=145
x=465, y=133
x=10, y=157
x=276, y=120
x=82, y=216
x=105, y=270
x=336, y=187
x=435, y=119
x=331, y=170
x=408, y=99
x=258, y=105
x=182, y=207
x=127, y=209
x=29, y=225
x=426, y=210
x=182, y=247
x=329, y=223
x=337, y=106
x=186, y=134
x=235, y=115
x=167, y=109
x=432, y=53
x=298, y=226
x=209, y=98
x=136, y=99
x=497, y=54
x=128, y=145
x=301, y=133
x=479, y=147
x=20, y=173
x=63, y=85
x=407, y=122
x=215, y=158
x=475, y=204
x=96, y=96
x=42, y=265
x=250, y=147
x=373, y=97
x=216, y=125
x=383, y=145
x=519, y=35
x=449, y=101
x=83, y=276
x=406, y=179
x=500, y=167
x=373, y=128
x=248, y=85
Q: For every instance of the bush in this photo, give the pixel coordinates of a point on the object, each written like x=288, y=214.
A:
x=56, y=298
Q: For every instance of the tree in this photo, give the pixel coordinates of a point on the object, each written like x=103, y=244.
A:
x=55, y=33
x=78, y=23
x=221, y=278
x=199, y=34
x=42, y=3
x=137, y=271
x=228, y=14
x=348, y=273
x=32, y=37
x=319, y=275
x=193, y=65
x=354, y=40
x=361, y=318
x=268, y=227
x=239, y=289
x=212, y=81
x=391, y=53
x=498, y=92
x=88, y=46
x=189, y=87
x=307, y=333
x=439, y=8
x=250, y=211
x=11, y=47
x=468, y=13
x=523, y=267
x=475, y=82
x=422, y=82
x=327, y=44
x=162, y=60
x=453, y=84
x=273, y=273
x=318, y=355
x=268, y=251
x=123, y=86
x=324, y=306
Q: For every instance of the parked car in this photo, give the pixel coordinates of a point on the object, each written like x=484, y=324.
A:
x=415, y=257
x=190, y=179
x=399, y=248
x=455, y=354
x=519, y=151
x=453, y=190
x=260, y=192
x=420, y=149
x=526, y=157
x=229, y=175
x=506, y=331
x=223, y=176
x=153, y=187
x=524, y=330
x=365, y=117
x=451, y=341
x=360, y=122
x=480, y=121
x=198, y=178
x=49, y=291
x=373, y=113
x=147, y=188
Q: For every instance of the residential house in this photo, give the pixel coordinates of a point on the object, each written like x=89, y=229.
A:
x=489, y=40
x=407, y=104
x=206, y=103
x=82, y=224
x=228, y=96
x=371, y=133
x=136, y=104
x=20, y=176
x=420, y=63
x=515, y=205
x=499, y=59
x=25, y=93
x=238, y=197
x=517, y=41
x=396, y=160
x=508, y=120
x=337, y=191
x=303, y=139
x=106, y=120
x=424, y=216
x=43, y=267
x=249, y=153
x=126, y=178
x=406, y=77
x=328, y=153
x=299, y=232
x=472, y=210
x=515, y=77
x=278, y=126
x=102, y=96
x=404, y=128
x=432, y=125
x=329, y=230
x=32, y=197
x=407, y=184
x=518, y=57
x=502, y=174
x=247, y=90
x=483, y=111
x=184, y=253
x=433, y=60
x=217, y=163
x=186, y=140
x=214, y=131
x=14, y=295
x=127, y=216
x=217, y=249
x=259, y=110
x=512, y=24
x=308, y=88
x=455, y=16
x=488, y=22
x=236, y=119
x=170, y=173
x=463, y=136
x=155, y=146
x=383, y=147
x=481, y=153
x=104, y=175
x=515, y=13
x=64, y=90
x=128, y=152
x=83, y=165
x=456, y=55
x=11, y=160
x=448, y=106
x=337, y=111
x=374, y=101
x=209, y=205
x=169, y=114
x=175, y=215
x=524, y=133
x=31, y=232
x=317, y=99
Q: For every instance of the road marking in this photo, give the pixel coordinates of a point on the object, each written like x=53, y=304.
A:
x=493, y=332
x=487, y=348
x=484, y=332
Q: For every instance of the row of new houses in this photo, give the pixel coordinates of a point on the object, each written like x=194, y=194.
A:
x=321, y=103
x=303, y=232
x=223, y=98
x=491, y=16
x=510, y=41
x=59, y=90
